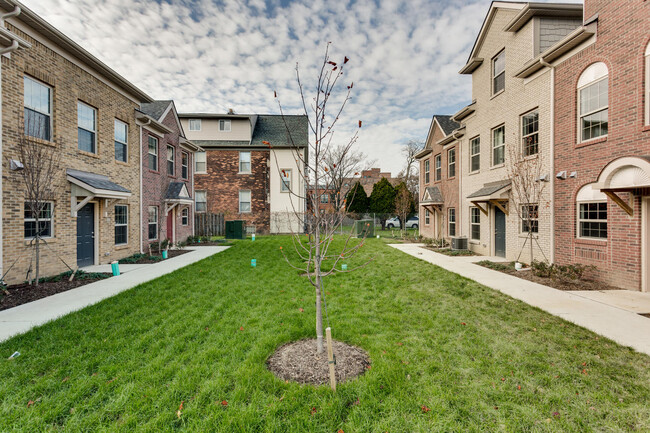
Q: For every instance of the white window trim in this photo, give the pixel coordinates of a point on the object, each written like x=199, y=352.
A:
x=185, y=211
x=450, y=222
x=471, y=155
x=196, y=200
x=51, y=219
x=171, y=154
x=205, y=162
x=286, y=189
x=49, y=115
x=250, y=162
x=450, y=163
x=524, y=220
x=126, y=224
x=149, y=138
x=580, y=116
x=494, y=76
x=579, y=220
x=126, y=136
x=427, y=217
x=198, y=121
x=149, y=223
x=495, y=147
x=427, y=171
x=250, y=202
x=524, y=136
x=226, y=122
x=647, y=85
x=437, y=168
x=79, y=102
x=185, y=166
x=474, y=224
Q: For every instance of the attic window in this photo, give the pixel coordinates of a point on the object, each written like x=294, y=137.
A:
x=224, y=125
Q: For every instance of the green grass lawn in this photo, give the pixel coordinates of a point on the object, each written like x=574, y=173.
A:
x=476, y=359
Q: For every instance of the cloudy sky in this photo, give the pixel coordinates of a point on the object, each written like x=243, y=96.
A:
x=210, y=56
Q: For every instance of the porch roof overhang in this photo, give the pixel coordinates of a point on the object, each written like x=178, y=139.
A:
x=90, y=186
x=495, y=193
x=627, y=174
x=432, y=197
x=177, y=195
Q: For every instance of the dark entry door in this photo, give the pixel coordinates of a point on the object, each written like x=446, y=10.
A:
x=86, y=236
x=170, y=225
x=499, y=233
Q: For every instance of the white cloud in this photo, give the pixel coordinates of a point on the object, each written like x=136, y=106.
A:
x=404, y=55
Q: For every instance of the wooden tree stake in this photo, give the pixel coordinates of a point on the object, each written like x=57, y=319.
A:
x=330, y=358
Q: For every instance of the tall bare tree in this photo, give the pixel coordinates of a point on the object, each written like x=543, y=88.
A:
x=345, y=164
x=316, y=250
x=410, y=174
x=41, y=176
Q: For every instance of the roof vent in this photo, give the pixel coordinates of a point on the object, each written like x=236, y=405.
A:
x=231, y=111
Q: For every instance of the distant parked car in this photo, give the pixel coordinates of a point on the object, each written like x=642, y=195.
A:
x=393, y=223
x=412, y=223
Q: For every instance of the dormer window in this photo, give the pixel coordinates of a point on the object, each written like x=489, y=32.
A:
x=499, y=73
x=224, y=125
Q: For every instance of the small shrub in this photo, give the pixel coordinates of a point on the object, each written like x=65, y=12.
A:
x=563, y=272
x=494, y=266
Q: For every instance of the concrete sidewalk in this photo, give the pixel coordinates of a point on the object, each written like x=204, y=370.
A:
x=595, y=312
x=21, y=319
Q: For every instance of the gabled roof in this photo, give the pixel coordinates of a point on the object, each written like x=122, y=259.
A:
x=431, y=196
x=177, y=191
x=446, y=125
x=281, y=131
x=94, y=182
x=490, y=188
x=222, y=143
x=533, y=9
x=155, y=109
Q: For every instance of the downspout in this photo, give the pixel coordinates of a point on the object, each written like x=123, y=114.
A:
x=13, y=47
x=193, y=165
x=552, y=162
x=141, y=198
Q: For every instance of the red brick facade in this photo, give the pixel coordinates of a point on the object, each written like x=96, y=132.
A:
x=622, y=38
x=156, y=182
x=223, y=182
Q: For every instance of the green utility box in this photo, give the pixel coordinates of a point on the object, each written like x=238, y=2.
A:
x=364, y=228
x=235, y=230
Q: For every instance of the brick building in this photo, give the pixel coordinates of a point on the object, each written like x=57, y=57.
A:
x=602, y=143
x=83, y=109
x=241, y=176
x=167, y=205
x=439, y=173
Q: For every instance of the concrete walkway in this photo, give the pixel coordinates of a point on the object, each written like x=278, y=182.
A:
x=591, y=310
x=21, y=319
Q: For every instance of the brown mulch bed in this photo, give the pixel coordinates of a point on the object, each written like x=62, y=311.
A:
x=298, y=362
x=145, y=260
x=18, y=294
x=452, y=253
x=557, y=283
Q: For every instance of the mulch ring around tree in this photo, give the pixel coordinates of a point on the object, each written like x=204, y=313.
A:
x=18, y=294
x=298, y=362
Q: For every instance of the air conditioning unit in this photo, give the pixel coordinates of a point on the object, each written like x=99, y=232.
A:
x=458, y=243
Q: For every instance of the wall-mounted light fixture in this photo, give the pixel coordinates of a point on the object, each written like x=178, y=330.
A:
x=561, y=175
x=15, y=165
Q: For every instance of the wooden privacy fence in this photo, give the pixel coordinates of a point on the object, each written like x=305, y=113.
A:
x=209, y=224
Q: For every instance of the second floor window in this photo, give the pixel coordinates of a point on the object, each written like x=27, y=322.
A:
x=475, y=154
x=286, y=180
x=200, y=164
x=121, y=132
x=438, y=167
x=324, y=198
x=498, y=145
x=224, y=125
x=593, y=102
x=153, y=153
x=38, y=109
x=426, y=171
x=195, y=124
x=451, y=163
x=244, y=162
x=86, y=127
x=499, y=73
x=185, y=161
x=170, y=160
x=530, y=133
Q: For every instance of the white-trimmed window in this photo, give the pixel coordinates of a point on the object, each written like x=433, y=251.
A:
x=185, y=165
x=200, y=164
x=86, y=127
x=285, y=179
x=324, y=198
x=244, y=201
x=153, y=153
x=224, y=125
x=647, y=85
x=121, y=224
x=38, y=109
x=592, y=213
x=437, y=162
x=451, y=218
x=530, y=218
x=170, y=160
x=195, y=124
x=475, y=223
x=426, y=171
x=427, y=217
x=185, y=216
x=499, y=72
x=200, y=201
x=530, y=133
x=475, y=154
x=244, y=162
x=45, y=219
x=499, y=145
x=153, y=223
x=593, y=102
x=451, y=163
x=121, y=138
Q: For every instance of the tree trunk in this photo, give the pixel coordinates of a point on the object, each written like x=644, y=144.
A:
x=319, y=285
x=38, y=256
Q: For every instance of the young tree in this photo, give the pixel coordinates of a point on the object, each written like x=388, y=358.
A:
x=316, y=250
x=403, y=204
x=345, y=164
x=411, y=172
x=382, y=200
x=356, y=199
x=41, y=176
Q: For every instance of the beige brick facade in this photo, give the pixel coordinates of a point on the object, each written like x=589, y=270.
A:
x=70, y=80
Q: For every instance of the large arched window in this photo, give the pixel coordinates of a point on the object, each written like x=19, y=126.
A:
x=647, y=85
x=593, y=102
x=592, y=213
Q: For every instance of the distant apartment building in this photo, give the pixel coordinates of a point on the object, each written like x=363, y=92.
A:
x=439, y=174
x=251, y=168
x=56, y=94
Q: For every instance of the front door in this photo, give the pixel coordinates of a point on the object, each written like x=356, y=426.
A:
x=170, y=226
x=499, y=233
x=86, y=235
